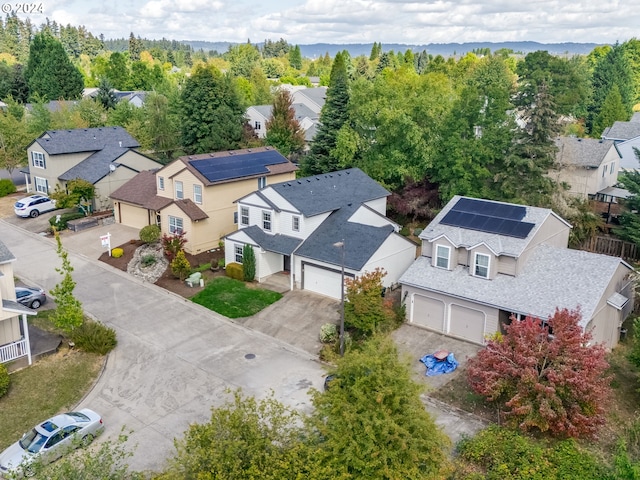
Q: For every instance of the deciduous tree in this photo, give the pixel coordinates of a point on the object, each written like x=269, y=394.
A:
x=366, y=309
x=283, y=130
x=68, y=314
x=545, y=375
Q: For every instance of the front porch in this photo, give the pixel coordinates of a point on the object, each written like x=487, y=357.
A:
x=18, y=355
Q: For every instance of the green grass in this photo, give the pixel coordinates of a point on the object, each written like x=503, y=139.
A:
x=52, y=385
x=233, y=299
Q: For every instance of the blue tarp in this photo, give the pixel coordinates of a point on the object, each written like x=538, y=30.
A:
x=438, y=367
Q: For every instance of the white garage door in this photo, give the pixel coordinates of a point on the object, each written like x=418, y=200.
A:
x=428, y=312
x=467, y=323
x=322, y=281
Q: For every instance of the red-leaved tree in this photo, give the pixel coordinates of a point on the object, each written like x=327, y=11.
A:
x=545, y=376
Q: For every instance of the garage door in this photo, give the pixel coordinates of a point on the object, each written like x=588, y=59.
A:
x=467, y=323
x=428, y=312
x=322, y=281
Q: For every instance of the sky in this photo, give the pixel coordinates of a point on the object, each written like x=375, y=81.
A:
x=350, y=21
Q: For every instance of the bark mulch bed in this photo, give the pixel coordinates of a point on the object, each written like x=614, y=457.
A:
x=167, y=280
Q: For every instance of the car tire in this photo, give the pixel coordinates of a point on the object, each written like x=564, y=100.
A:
x=86, y=440
x=34, y=213
x=35, y=304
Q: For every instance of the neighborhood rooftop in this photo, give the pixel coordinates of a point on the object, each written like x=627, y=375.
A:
x=623, y=130
x=5, y=254
x=582, y=152
x=56, y=142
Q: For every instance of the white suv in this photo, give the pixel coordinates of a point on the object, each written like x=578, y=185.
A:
x=33, y=206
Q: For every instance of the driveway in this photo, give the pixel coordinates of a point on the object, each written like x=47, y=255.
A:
x=174, y=359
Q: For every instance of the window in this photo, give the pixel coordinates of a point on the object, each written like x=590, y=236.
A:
x=175, y=225
x=262, y=182
x=257, y=125
x=295, y=224
x=160, y=183
x=37, y=159
x=41, y=185
x=442, y=256
x=604, y=170
x=197, y=194
x=266, y=221
x=158, y=219
x=477, y=131
x=179, y=191
x=481, y=265
x=235, y=218
x=244, y=215
x=611, y=168
x=237, y=249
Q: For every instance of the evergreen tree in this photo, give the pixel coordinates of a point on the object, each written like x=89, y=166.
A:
x=421, y=61
x=50, y=73
x=376, y=50
x=295, y=58
x=135, y=47
x=248, y=263
x=333, y=116
x=283, y=130
x=612, y=110
x=630, y=220
x=117, y=71
x=211, y=114
x=105, y=95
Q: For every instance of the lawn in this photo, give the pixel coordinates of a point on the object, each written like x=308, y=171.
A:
x=233, y=299
x=52, y=385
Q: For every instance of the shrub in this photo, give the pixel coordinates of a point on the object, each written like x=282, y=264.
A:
x=94, y=337
x=6, y=187
x=64, y=219
x=150, y=233
x=180, y=266
x=404, y=231
x=5, y=380
x=248, y=263
x=148, y=260
x=234, y=270
x=117, y=252
x=172, y=244
x=221, y=263
x=328, y=333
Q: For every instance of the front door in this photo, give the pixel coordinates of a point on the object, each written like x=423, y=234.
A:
x=287, y=263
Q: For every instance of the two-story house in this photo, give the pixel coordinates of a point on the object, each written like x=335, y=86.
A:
x=312, y=228
x=626, y=135
x=14, y=333
x=106, y=157
x=195, y=194
x=484, y=263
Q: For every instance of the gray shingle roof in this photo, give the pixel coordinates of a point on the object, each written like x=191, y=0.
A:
x=330, y=191
x=96, y=166
x=5, y=254
x=500, y=244
x=56, y=142
x=17, y=307
x=623, y=130
x=278, y=243
x=582, y=152
x=317, y=95
x=552, y=278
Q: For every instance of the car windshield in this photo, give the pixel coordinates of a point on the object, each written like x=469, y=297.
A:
x=32, y=441
x=78, y=416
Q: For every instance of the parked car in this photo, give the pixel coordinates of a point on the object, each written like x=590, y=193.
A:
x=31, y=297
x=34, y=205
x=49, y=441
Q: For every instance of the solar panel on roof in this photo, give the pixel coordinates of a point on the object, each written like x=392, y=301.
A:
x=488, y=224
x=492, y=209
x=216, y=169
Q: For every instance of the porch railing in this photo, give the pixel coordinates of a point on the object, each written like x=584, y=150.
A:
x=13, y=351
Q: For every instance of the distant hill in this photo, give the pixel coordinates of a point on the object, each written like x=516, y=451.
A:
x=445, y=49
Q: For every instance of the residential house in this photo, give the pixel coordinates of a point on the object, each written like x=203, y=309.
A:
x=315, y=228
x=484, y=263
x=105, y=157
x=195, y=194
x=626, y=136
x=14, y=333
x=134, y=97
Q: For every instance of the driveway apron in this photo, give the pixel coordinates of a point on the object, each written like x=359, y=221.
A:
x=174, y=359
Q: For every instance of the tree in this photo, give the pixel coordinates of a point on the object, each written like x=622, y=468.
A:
x=211, y=114
x=50, y=74
x=366, y=308
x=295, y=58
x=161, y=125
x=283, y=130
x=68, y=314
x=14, y=139
x=333, y=116
x=180, y=266
x=612, y=110
x=245, y=438
x=546, y=376
x=117, y=71
x=135, y=47
x=243, y=58
x=248, y=263
x=77, y=192
x=105, y=95
x=372, y=423
x=629, y=221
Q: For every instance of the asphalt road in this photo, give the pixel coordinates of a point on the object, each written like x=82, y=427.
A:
x=174, y=359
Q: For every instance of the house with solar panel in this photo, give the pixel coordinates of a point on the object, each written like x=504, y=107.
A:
x=311, y=228
x=484, y=263
x=195, y=194
x=106, y=157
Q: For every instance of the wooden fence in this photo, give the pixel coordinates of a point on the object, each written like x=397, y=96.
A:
x=614, y=247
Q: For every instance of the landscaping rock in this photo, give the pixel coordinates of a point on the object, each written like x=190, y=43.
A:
x=153, y=272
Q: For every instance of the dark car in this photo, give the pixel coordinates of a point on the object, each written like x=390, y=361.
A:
x=31, y=297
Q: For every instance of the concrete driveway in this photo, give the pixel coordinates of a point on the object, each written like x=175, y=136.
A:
x=174, y=359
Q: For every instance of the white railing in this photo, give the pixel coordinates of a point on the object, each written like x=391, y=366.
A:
x=13, y=351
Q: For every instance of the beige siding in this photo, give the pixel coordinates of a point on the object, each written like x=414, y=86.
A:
x=132, y=216
x=453, y=252
x=553, y=231
x=395, y=255
x=54, y=166
x=493, y=261
x=7, y=284
x=507, y=265
x=10, y=330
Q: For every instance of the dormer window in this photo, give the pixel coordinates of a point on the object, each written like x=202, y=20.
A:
x=481, y=265
x=443, y=255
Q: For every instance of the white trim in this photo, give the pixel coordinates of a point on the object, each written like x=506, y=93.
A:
x=197, y=194
x=176, y=225
x=160, y=183
x=475, y=264
x=242, y=216
x=37, y=185
x=38, y=160
x=237, y=246
x=437, y=257
x=265, y=221
x=179, y=191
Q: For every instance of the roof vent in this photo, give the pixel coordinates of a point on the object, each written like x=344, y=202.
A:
x=299, y=182
x=120, y=143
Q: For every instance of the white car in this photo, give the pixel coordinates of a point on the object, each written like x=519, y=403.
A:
x=33, y=206
x=49, y=441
